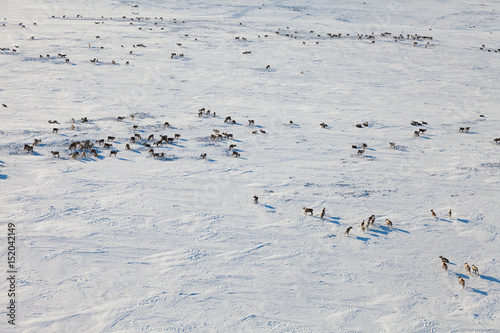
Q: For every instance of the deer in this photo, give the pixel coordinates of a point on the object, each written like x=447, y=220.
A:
x=113, y=152
x=236, y=154
x=307, y=210
x=55, y=153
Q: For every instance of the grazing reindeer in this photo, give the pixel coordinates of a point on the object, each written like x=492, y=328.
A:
x=36, y=142
x=268, y=67
x=263, y=132
x=203, y=156
x=167, y=124
x=445, y=266
x=228, y=118
x=231, y=147
x=389, y=223
x=461, y=281
x=132, y=139
x=55, y=153
x=113, y=152
x=108, y=145
x=55, y=130
x=323, y=212
x=255, y=199
x=93, y=152
x=365, y=124
x=323, y=125
x=74, y=155
x=120, y=118
x=151, y=137
x=138, y=136
x=364, y=146
x=475, y=270
x=290, y=122
x=176, y=136
x=461, y=129
x=236, y=154
x=251, y=122
x=467, y=268
x=361, y=151
x=132, y=116
x=111, y=138
x=359, y=125
x=433, y=214
x=467, y=129
x=346, y=233
x=416, y=133
x=392, y=145
x=127, y=146
x=307, y=210
x=134, y=127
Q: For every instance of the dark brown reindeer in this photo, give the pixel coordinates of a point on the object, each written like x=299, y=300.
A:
x=113, y=153
x=55, y=153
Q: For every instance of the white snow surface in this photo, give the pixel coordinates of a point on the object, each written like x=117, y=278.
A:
x=134, y=243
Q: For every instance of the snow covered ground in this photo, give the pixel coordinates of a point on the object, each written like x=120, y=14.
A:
x=135, y=243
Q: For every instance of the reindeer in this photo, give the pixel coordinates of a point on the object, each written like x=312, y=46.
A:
x=323, y=213
x=166, y=124
x=365, y=124
x=203, y=156
x=475, y=270
x=445, y=266
x=307, y=210
x=290, y=122
x=55, y=153
x=323, y=125
x=416, y=133
x=120, y=118
x=28, y=148
x=361, y=151
x=263, y=132
x=433, y=214
x=359, y=125
x=55, y=130
x=93, y=152
x=127, y=147
x=389, y=223
x=228, y=118
x=232, y=146
x=108, y=145
x=135, y=127
x=467, y=268
x=74, y=155
x=151, y=137
x=176, y=136
x=113, y=153
x=251, y=122
x=346, y=233
x=236, y=154
x=36, y=142
x=461, y=281
x=100, y=142
x=111, y=138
